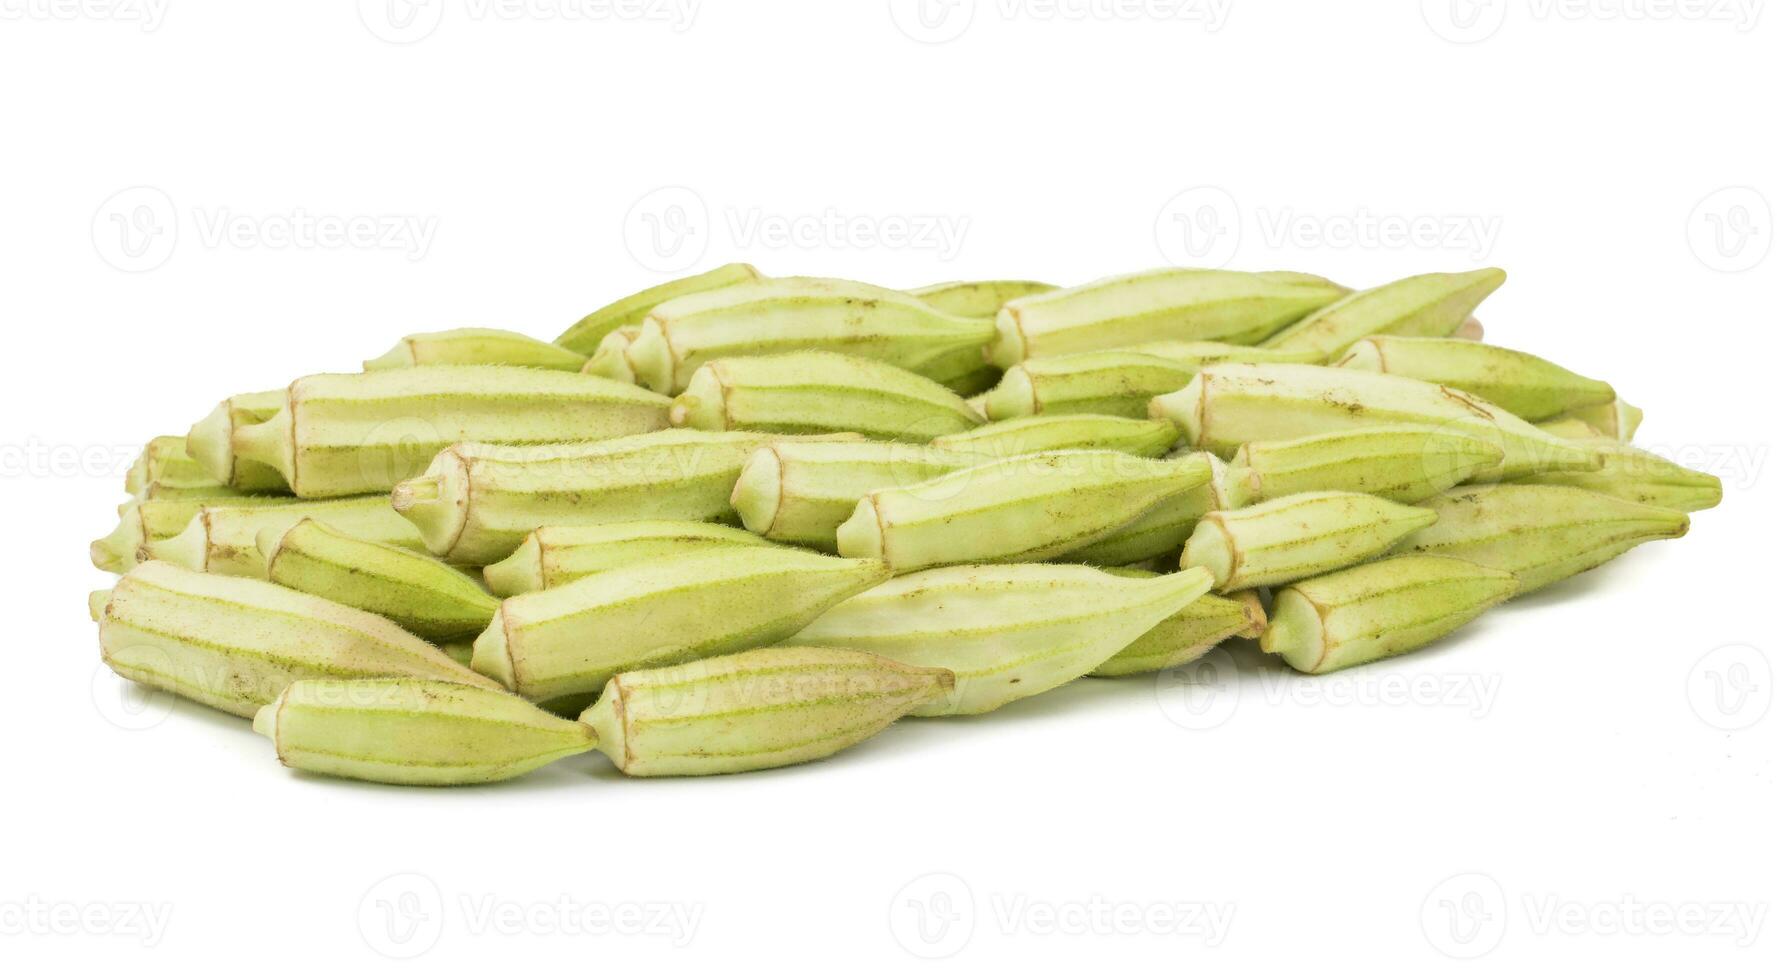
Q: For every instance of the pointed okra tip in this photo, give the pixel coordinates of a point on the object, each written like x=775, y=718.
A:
x=399, y=356
x=1009, y=345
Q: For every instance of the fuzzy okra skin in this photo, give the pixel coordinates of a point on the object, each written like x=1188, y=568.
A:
x=234, y=643
x=211, y=442
x=979, y=300
x=143, y=523
x=476, y=345
x=1379, y=609
x=1231, y=404
x=1119, y=381
x=1617, y=419
x=475, y=503
x=800, y=492
x=780, y=316
x=345, y=434
x=758, y=709
x=586, y=334
x=1403, y=463
x=1299, y=536
x=415, y=732
x=1049, y=433
x=1160, y=304
x=1640, y=476
x=1528, y=386
x=1188, y=634
x=818, y=391
x=419, y=593
x=223, y=539
x=1006, y=631
x=552, y=556
x=1160, y=532
x=1436, y=304
x=1541, y=534
x=570, y=640
x=1025, y=508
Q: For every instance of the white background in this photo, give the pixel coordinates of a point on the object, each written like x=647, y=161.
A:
x=1500, y=798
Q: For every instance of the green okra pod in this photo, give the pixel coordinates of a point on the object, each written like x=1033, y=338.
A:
x=817, y=392
x=754, y=710
x=586, y=334
x=571, y=639
x=1436, y=304
x=414, y=732
x=1006, y=631
x=421, y=594
x=235, y=643
x=345, y=434
x=476, y=345
x=1379, y=609
x=1541, y=534
x=1525, y=385
x=552, y=556
x=1160, y=304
